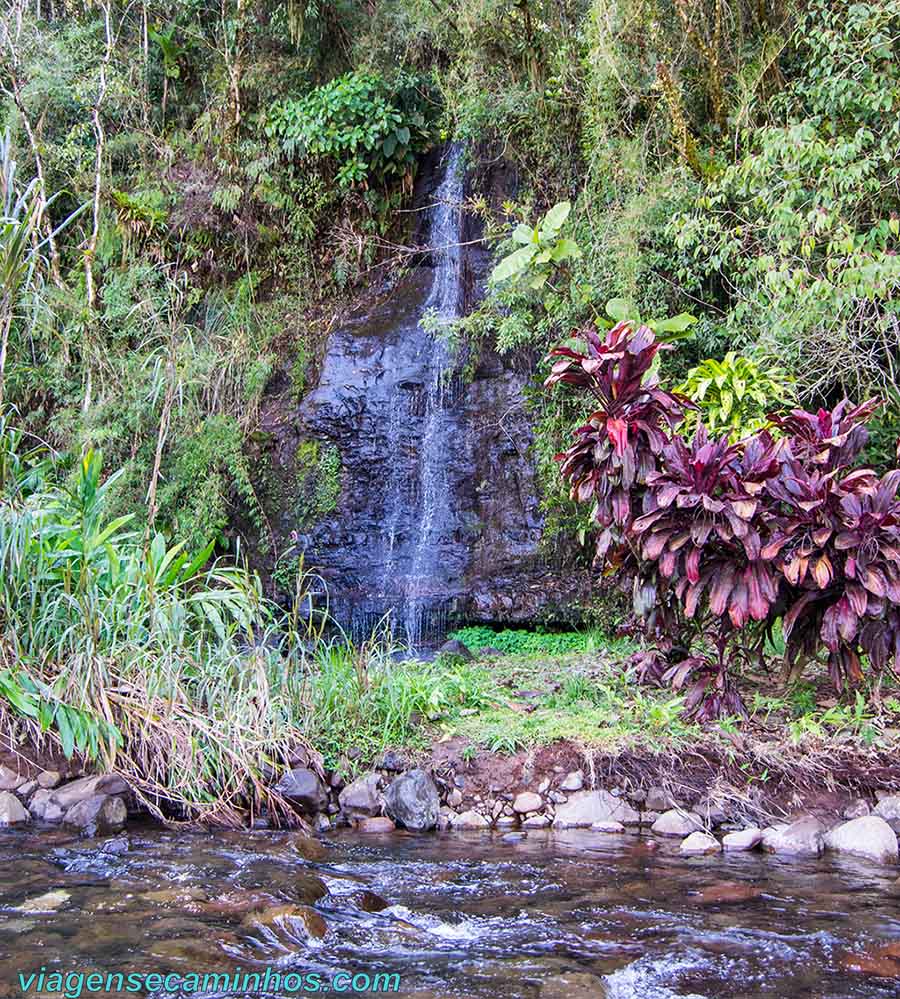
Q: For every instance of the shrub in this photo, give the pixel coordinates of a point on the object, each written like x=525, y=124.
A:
x=731, y=537
x=359, y=123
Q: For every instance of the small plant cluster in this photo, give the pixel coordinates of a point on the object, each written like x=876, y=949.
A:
x=721, y=540
x=358, y=122
x=518, y=641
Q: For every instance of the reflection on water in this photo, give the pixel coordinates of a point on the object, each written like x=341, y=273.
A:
x=579, y=914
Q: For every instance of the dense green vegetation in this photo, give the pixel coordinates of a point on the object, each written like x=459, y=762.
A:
x=191, y=194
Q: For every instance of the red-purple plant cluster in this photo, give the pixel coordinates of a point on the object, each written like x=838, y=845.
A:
x=734, y=537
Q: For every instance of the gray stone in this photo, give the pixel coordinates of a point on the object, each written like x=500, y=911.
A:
x=584, y=808
x=304, y=789
x=12, y=811
x=573, y=781
x=676, y=823
x=26, y=790
x=457, y=649
x=868, y=836
x=888, y=807
x=536, y=822
x=744, y=839
x=469, y=820
x=648, y=818
x=99, y=815
x=557, y=797
x=710, y=813
x=11, y=779
x=698, y=844
x=527, y=801
x=455, y=798
x=412, y=801
x=49, y=779
x=360, y=799
x=392, y=761
x=507, y=822
x=608, y=827
x=659, y=800
x=86, y=787
x=44, y=808
x=803, y=838
x=857, y=809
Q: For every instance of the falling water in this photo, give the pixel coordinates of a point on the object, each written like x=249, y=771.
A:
x=435, y=514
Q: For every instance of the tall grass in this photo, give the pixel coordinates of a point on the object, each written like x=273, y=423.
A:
x=168, y=667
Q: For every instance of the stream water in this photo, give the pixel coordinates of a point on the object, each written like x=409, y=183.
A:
x=577, y=915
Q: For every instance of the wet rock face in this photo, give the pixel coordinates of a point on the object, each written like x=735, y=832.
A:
x=438, y=514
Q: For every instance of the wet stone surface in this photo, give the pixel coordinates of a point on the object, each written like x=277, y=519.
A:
x=473, y=914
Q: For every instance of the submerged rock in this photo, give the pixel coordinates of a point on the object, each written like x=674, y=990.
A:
x=584, y=808
x=868, y=836
x=12, y=811
x=304, y=789
x=699, y=843
x=98, y=815
x=376, y=824
x=366, y=901
x=676, y=823
x=412, y=801
x=728, y=893
x=803, y=838
x=360, y=800
x=574, y=985
x=881, y=962
x=289, y=916
x=745, y=839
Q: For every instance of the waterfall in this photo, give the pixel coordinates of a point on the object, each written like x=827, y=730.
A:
x=435, y=513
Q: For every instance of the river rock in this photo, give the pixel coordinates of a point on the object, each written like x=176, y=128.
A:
x=10, y=779
x=295, y=916
x=44, y=808
x=98, y=815
x=49, y=779
x=659, y=800
x=469, y=820
x=699, y=843
x=86, y=787
x=888, y=808
x=710, y=813
x=573, y=781
x=880, y=962
x=376, y=824
x=868, y=836
x=803, y=838
x=584, y=808
x=412, y=801
x=528, y=801
x=304, y=789
x=608, y=827
x=676, y=823
x=12, y=811
x=728, y=893
x=360, y=800
x=574, y=985
x=457, y=649
x=744, y=839
x=365, y=900
x=536, y=822
x=857, y=809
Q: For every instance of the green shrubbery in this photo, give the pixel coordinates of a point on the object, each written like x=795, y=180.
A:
x=516, y=641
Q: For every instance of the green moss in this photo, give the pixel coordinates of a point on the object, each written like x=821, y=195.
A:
x=318, y=480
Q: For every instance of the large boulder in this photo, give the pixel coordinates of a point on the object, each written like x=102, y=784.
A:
x=86, y=787
x=803, y=838
x=304, y=789
x=889, y=808
x=469, y=820
x=44, y=808
x=868, y=836
x=99, y=815
x=456, y=649
x=675, y=822
x=360, y=800
x=698, y=844
x=585, y=808
x=412, y=800
x=12, y=811
x=743, y=839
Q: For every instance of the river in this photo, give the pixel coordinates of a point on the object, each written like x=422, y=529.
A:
x=580, y=915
